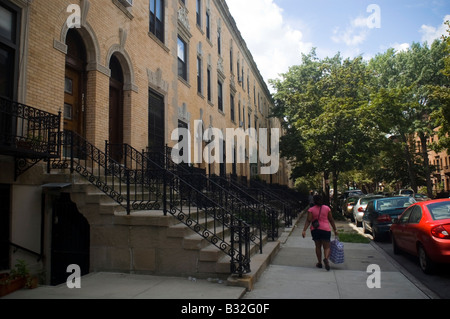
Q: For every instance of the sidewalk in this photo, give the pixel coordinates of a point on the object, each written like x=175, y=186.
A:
x=291, y=275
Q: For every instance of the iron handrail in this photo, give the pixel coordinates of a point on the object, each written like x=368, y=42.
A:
x=191, y=206
x=29, y=129
x=260, y=219
x=130, y=186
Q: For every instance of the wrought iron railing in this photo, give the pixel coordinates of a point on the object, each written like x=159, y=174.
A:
x=138, y=183
x=286, y=209
x=260, y=217
x=192, y=200
x=27, y=133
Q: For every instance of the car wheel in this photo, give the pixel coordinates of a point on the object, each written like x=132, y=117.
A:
x=395, y=247
x=375, y=234
x=426, y=264
x=358, y=223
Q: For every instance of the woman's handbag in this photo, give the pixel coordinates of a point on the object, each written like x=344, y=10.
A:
x=336, y=252
x=315, y=223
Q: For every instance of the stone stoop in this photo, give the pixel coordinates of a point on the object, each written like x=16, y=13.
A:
x=147, y=242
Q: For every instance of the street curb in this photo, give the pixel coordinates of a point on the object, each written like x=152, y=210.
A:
x=430, y=294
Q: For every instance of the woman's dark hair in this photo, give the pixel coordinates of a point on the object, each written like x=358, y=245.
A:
x=318, y=200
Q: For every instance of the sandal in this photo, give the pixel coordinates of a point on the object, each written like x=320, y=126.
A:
x=327, y=264
x=319, y=265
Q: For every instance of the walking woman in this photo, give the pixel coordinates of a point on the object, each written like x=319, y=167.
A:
x=320, y=216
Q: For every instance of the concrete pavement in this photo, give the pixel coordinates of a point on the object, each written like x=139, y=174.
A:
x=293, y=275
x=290, y=275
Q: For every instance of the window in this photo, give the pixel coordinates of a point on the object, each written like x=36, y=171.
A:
x=157, y=19
x=199, y=13
x=220, y=96
x=199, y=75
x=9, y=40
x=232, y=108
x=239, y=110
x=182, y=66
x=219, y=42
x=231, y=59
x=208, y=26
x=209, y=85
x=416, y=215
x=156, y=120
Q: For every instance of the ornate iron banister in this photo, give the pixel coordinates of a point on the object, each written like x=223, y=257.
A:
x=93, y=164
x=267, y=196
x=259, y=217
x=137, y=183
x=215, y=221
x=27, y=133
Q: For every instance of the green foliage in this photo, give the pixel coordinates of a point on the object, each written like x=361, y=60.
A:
x=344, y=115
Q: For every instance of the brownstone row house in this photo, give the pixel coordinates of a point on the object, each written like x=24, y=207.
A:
x=90, y=92
x=441, y=164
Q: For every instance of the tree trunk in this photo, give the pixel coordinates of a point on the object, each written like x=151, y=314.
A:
x=409, y=163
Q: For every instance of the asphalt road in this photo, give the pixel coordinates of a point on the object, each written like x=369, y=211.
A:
x=438, y=283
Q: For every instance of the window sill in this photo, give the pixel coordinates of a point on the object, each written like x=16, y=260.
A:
x=123, y=9
x=159, y=42
x=184, y=81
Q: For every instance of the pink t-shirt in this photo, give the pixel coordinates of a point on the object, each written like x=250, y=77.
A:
x=323, y=219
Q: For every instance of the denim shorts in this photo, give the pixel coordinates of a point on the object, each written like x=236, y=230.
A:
x=321, y=235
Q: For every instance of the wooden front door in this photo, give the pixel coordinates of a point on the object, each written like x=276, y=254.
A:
x=115, y=112
x=73, y=102
x=116, y=108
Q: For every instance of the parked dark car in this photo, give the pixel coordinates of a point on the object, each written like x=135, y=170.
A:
x=423, y=230
x=380, y=213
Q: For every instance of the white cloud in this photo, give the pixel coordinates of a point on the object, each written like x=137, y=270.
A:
x=400, y=47
x=274, y=43
x=352, y=35
x=430, y=33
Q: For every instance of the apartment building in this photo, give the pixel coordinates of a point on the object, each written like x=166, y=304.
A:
x=114, y=72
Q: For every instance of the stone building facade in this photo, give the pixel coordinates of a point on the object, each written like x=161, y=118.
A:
x=123, y=71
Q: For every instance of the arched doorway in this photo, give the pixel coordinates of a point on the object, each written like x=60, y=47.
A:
x=116, y=96
x=75, y=83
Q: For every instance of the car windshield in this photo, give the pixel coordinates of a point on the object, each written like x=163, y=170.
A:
x=394, y=203
x=365, y=200
x=440, y=211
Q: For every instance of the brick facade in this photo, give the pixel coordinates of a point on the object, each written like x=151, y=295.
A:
x=107, y=28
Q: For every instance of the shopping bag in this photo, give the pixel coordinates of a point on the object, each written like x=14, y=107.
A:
x=337, y=252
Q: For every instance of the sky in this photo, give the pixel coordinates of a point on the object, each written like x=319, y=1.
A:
x=277, y=32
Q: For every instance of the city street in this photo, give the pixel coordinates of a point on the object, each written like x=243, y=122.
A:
x=439, y=283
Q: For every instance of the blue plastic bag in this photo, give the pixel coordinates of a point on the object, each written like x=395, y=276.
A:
x=337, y=252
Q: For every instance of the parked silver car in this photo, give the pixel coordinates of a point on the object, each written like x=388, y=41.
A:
x=360, y=207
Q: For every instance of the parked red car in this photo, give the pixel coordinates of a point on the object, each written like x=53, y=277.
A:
x=424, y=231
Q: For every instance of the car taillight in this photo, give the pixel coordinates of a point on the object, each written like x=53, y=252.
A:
x=440, y=232
x=361, y=209
x=384, y=219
